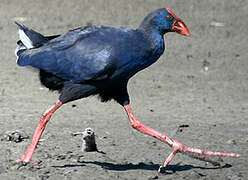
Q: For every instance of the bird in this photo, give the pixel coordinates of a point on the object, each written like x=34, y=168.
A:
x=100, y=60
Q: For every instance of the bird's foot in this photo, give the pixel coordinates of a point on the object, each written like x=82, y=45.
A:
x=178, y=147
x=20, y=163
x=24, y=159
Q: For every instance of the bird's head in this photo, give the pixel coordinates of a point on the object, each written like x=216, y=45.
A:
x=164, y=20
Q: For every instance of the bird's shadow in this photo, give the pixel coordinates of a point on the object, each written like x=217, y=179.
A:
x=143, y=166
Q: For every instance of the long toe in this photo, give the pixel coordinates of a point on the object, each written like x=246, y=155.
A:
x=195, y=153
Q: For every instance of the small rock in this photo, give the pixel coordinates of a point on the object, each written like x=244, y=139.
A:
x=205, y=65
x=60, y=157
x=231, y=141
x=15, y=136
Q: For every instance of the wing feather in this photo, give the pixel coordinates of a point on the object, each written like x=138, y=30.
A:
x=79, y=55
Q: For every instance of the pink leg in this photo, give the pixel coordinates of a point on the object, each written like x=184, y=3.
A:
x=174, y=144
x=38, y=132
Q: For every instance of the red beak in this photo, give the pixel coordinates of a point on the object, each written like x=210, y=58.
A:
x=179, y=26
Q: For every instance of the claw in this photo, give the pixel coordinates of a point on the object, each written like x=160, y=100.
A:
x=23, y=159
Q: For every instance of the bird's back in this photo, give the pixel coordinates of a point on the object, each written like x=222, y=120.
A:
x=92, y=53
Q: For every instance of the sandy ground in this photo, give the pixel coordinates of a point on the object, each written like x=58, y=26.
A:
x=176, y=91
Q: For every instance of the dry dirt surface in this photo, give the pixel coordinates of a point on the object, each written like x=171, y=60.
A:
x=196, y=93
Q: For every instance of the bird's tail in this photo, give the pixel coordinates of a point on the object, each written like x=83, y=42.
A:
x=28, y=39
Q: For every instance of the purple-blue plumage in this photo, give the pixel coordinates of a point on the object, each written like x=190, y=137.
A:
x=97, y=59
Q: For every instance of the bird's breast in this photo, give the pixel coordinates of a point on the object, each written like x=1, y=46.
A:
x=133, y=65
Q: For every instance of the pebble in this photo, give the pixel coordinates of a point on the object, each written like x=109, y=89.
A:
x=15, y=136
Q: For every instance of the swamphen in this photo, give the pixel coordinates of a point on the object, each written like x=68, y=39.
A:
x=100, y=60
